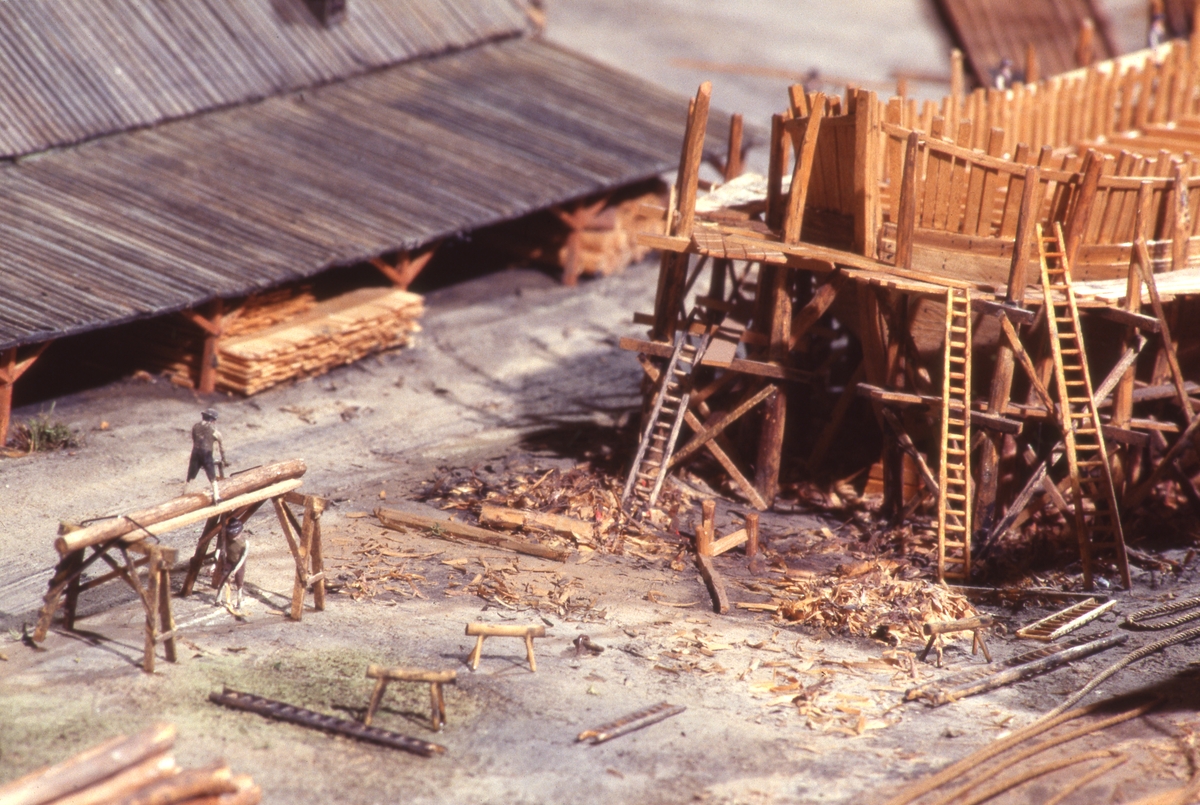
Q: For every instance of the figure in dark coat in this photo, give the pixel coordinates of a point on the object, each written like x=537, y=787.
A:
x=204, y=438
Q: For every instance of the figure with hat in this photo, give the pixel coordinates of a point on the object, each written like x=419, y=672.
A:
x=230, y=571
x=204, y=437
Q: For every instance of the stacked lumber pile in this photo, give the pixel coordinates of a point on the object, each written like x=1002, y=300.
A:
x=332, y=333
x=137, y=769
x=607, y=243
x=285, y=334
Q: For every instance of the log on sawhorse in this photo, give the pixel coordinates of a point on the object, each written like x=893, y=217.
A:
x=154, y=591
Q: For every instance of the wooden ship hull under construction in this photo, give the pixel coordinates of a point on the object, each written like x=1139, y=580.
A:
x=1004, y=277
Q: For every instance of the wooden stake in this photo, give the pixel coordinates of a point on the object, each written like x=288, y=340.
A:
x=751, y=534
x=1032, y=74
x=1085, y=199
x=705, y=533
x=1085, y=49
x=694, y=154
x=733, y=157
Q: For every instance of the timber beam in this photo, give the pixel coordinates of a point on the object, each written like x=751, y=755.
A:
x=979, y=419
x=408, y=266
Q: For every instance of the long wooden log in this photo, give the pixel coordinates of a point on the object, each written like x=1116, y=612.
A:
x=449, y=529
x=89, y=767
x=123, y=783
x=515, y=518
x=1031, y=669
x=214, y=779
x=240, y=484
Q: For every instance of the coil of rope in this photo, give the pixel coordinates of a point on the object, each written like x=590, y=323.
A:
x=1134, y=619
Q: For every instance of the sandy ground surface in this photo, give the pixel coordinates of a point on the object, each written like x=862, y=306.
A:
x=505, y=366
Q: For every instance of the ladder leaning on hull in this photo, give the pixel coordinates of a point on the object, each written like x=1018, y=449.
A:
x=954, y=467
x=1091, y=474
x=649, y=469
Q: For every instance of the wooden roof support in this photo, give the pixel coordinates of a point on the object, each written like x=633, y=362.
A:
x=213, y=327
x=774, y=288
x=10, y=370
x=408, y=266
x=576, y=220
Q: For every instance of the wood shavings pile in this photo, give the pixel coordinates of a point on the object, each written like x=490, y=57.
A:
x=874, y=597
x=551, y=593
x=376, y=566
x=580, y=492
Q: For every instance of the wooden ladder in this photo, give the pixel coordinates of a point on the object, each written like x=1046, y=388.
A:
x=649, y=469
x=1091, y=475
x=954, y=473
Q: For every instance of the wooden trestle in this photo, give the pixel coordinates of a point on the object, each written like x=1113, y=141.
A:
x=1090, y=471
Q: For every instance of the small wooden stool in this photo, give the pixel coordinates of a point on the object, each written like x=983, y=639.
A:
x=934, y=632
x=482, y=630
x=435, y=679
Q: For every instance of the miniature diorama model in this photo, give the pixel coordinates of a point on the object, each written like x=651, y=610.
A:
x=204, y=436
x=230, y=570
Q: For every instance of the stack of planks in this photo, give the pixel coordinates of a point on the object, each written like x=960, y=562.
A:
x=332, y=333
x=138, y=769
x=287, y=333
x=607, y=243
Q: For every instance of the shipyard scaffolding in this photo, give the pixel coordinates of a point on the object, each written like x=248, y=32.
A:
x=1011, y=270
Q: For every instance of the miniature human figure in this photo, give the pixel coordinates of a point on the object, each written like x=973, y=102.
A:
x=1157, y=33
x=204, y=436
x=1003, y=76
x=230, y=572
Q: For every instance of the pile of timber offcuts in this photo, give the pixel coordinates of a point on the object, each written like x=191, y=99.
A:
x=135, y=769
x=855, y=581
x=980, y=312
x=287, y=334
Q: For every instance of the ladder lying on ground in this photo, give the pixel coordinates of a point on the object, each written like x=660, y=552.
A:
x=1091, y=475
x=666, y=419
x=954, y=475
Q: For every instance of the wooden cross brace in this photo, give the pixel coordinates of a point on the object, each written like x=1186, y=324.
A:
x=482, y=630
x=435, y=679
x=976, y=625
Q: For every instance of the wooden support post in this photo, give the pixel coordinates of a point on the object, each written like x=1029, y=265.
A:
x=776, y=165
x=576, y=220
x=906, y=220
x=165, y=559
x=868, y=171
x=705, y=533
x=1002, y=376
x=794, y=216
x=773, y=281
x=1085, y=199
x=689, y=176
x=733, y=157
x=206, y=377
x=11, y=370
x=1122, y=410
x=74, y=565
x=751, y=534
